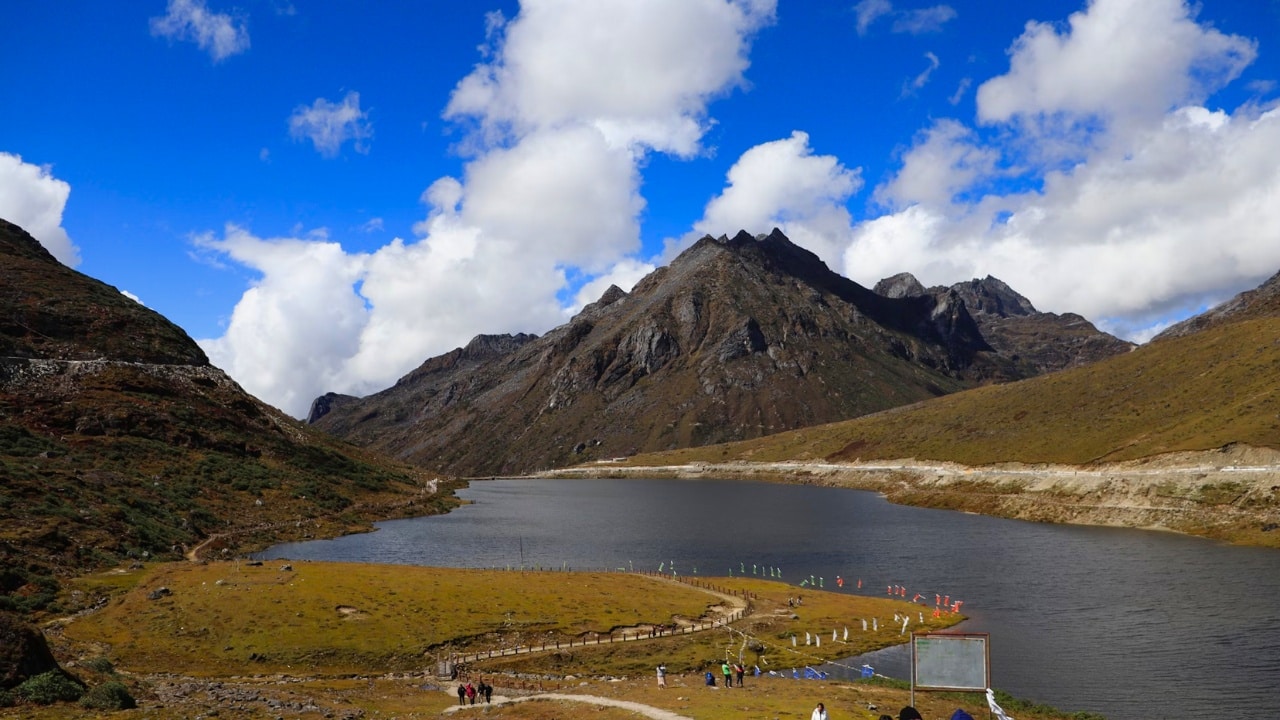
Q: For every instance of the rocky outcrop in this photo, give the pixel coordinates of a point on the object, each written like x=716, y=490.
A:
x=1033, y=341
x=902, y=285
x=24, y=653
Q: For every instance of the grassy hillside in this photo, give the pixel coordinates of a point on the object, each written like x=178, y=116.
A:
x=1197, y=392
x=118, y=440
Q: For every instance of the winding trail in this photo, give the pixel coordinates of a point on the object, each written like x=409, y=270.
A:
x=737, y=607
x=648, y=711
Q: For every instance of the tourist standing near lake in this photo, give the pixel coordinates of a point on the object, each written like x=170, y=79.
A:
x=739, y=671
x=728, y=674
x=662, y=675
x=819, y=713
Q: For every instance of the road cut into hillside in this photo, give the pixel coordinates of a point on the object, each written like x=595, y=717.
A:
x=1231, y=494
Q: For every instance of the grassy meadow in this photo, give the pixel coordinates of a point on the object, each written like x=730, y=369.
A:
x=325, y=640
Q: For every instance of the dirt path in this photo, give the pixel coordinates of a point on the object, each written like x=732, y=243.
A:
x=648, y=711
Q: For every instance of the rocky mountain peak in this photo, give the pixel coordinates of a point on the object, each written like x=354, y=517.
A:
x=739, y=336
x=1011, y=325
x=993, y=297
x=483, y=347
x=902, y=285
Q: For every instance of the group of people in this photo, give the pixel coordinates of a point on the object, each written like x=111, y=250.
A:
x=730, y=671
x=468, y=692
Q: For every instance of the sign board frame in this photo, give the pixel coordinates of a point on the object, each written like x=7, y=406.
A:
x=950, y=661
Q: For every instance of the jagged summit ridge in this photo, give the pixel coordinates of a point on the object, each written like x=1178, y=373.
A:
x=1039, y=342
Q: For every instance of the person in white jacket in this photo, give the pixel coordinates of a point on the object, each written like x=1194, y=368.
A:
x=819, y=713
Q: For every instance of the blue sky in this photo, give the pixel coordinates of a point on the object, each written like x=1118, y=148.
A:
x=325, y=194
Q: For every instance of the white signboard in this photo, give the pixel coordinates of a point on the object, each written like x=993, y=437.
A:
x=950, y=661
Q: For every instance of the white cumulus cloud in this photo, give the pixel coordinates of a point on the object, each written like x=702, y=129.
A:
x=1163, y=207
x=329, y=125
x=570, y=99
x=218, y=34
x=640, y=73
x=784, y=184
x=1123, y=63
x=31, y=197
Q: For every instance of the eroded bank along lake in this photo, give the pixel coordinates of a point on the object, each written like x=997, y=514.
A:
x=1132, y=624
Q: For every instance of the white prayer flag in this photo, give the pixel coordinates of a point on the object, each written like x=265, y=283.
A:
x=991, y=702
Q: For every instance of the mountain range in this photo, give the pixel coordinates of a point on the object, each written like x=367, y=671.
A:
x=737, y=338
x=1206, y=384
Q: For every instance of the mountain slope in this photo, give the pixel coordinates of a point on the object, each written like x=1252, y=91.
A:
x=1200, y=391
x=736, y=338
x=117, y=438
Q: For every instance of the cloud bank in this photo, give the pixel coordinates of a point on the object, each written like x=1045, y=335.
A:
x=1093, y=179
x=555, y=142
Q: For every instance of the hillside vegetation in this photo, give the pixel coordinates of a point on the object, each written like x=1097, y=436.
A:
x=1197, y=392
x=119, y=440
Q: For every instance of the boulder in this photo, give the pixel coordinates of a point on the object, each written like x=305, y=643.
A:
x=24, y=653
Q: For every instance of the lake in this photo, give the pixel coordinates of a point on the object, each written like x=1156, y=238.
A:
x=1135, y=625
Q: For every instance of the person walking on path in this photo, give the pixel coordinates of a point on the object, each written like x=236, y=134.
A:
x=728, y=674
x=819, y=713
x=662, y=675
x=462, y=694
x=471, y=693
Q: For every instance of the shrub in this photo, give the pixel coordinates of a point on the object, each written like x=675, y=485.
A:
x=49, y=688
x=7, y=699
x=109, y=696
x=101, y=665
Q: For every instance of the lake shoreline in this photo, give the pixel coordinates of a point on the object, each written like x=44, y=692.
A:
x=1228, y=495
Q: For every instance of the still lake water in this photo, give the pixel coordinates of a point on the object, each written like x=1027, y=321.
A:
x=1131, y=624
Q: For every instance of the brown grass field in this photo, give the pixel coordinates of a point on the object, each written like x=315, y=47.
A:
x=330, y=640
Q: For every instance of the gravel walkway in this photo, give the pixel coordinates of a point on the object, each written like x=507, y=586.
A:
x=648, y=711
